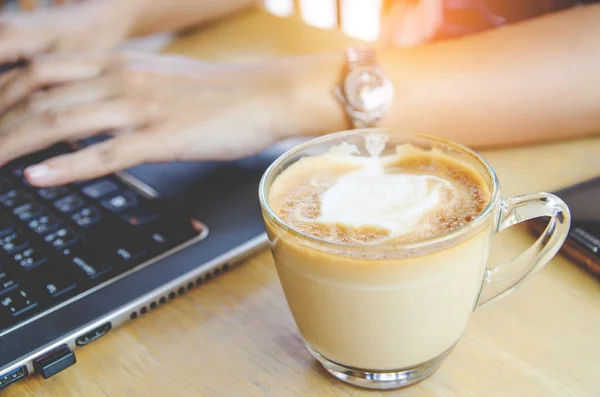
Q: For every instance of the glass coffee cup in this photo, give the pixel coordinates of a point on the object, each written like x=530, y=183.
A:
x=385, y=315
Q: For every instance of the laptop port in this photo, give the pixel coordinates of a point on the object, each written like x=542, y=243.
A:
x=54, y=361
x=93, y=335
x=12, y=377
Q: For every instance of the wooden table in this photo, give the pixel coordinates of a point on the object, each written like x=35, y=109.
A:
x=236, y=337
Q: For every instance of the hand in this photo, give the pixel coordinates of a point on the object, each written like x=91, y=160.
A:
x=160, y=108
x=92, y=25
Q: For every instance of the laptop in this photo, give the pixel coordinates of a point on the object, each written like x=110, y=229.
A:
x=78, y=261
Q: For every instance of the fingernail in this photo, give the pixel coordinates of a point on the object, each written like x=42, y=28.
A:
x=39, y=173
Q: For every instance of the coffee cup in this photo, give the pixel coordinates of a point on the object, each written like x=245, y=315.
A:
x=381, y=241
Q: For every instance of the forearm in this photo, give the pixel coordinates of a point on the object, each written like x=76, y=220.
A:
x=167, y=16
x=534, y=81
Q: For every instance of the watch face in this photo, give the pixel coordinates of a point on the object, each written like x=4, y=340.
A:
x=368, y=90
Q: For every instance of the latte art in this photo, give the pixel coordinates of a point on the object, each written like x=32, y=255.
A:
x=395, y=202
x=405, y=197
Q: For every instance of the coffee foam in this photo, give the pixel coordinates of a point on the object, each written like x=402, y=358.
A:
x=395, y=202
x=407, y=196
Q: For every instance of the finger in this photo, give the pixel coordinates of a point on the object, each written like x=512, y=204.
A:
x=18, y=44
x=53, y=126
x=78, y=93
x=6, y=76
x=60, y=97
x=98, y=160
x=51, y=70
x=5, y=79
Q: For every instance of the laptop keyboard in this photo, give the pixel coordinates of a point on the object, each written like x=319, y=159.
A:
x=58, y=242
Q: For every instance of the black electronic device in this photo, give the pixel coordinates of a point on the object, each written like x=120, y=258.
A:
x=583, y=242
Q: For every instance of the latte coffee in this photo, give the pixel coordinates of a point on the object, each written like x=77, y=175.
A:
x=381, y=240
x=379, y=311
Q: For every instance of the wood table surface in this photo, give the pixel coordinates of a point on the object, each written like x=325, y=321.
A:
x=235, y=336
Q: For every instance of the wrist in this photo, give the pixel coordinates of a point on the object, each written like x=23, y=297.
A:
x=125, y=15
x=305, y=100
x=117, y=15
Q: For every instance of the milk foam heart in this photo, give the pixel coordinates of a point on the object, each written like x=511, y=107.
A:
x=393, y=201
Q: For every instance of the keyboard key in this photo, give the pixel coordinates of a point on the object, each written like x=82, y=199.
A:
x=54, y=282
x=140, y=216
x=44, y=223
x=27, y=211
x=62, y=238
x=5, y=185
x=86, y=217
x=5, y=226
x=7, y=283
x=57, y=288
x=17, y=302
x=168, y=232
x=121, y=202
x=13, y=197
x=29, y=258
x=69, y=204
x=52, y=193
x=118, y=241
x=161, y=237
x=13, y=243
x=130, y=250
x=87, y=263
x=18, y=169
x=100, y=189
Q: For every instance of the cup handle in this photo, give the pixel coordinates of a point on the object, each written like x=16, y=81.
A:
x=503, y=279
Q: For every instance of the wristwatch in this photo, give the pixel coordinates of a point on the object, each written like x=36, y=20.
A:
x=366, y=93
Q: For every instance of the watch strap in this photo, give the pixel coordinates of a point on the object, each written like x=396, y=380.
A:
x=360, y=56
